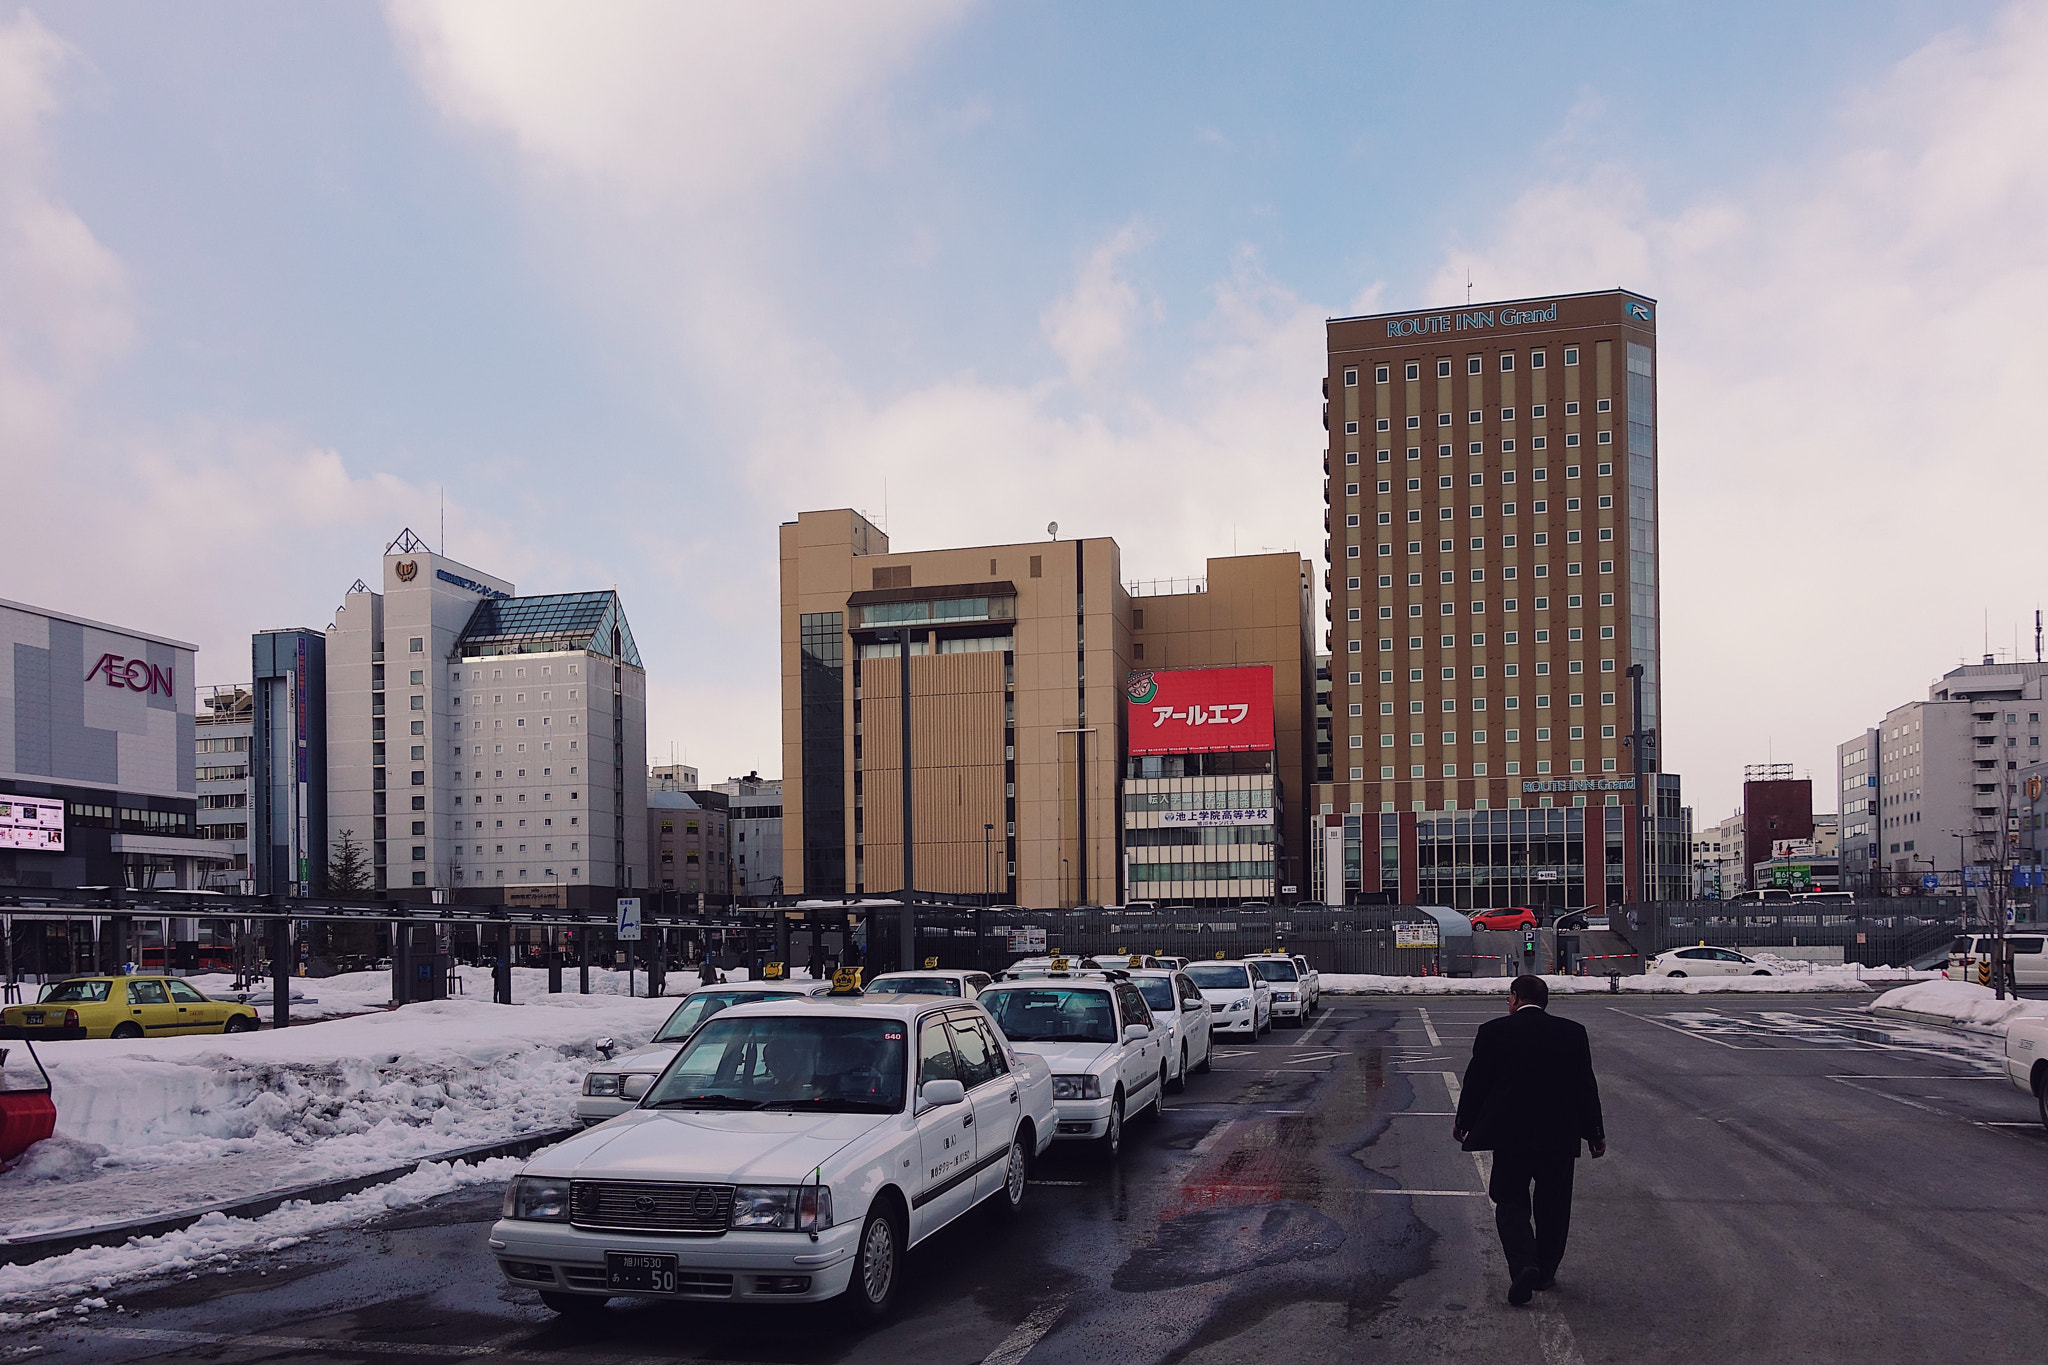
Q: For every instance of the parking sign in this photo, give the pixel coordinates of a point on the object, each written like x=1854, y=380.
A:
x=629, y=919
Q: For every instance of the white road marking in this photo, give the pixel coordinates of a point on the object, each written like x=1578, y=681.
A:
x=1424, y=1114
x=1554, y=1338
x=1208, y=1144
x=1429, y=1028
x=1063, y=1184
x=1314, y=1057
x=347, y=1346
x=1018, y=1344
x=1482, y=1160
x=1459, y=1194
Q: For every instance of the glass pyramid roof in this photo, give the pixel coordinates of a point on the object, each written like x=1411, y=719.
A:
x=593, y=621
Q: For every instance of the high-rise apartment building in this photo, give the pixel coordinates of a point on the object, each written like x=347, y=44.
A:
x=1491, y=488
x=1019, y=659
x=492, y=747
x=288, y=762
x=222, y=726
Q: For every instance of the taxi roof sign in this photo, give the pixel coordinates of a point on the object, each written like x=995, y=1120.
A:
x=846, y=981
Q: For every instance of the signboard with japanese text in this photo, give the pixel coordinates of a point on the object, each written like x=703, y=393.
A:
x=1248, y=815
x=1200, y=710
x=1418, y=935
x=1027, y=938
x=629, y=919
x=26, y=822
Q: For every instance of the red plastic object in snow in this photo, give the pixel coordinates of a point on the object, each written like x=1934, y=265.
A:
x=27, y=1114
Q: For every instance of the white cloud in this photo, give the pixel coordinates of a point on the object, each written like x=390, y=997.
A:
x=194, y=534
x=1851, y=353
x=1089, y=326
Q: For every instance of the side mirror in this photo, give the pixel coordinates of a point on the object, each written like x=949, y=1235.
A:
x=939, y=1093
x=607, y=1046
x=1133, y=1032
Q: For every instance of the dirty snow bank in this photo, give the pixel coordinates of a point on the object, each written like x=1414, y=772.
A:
x=1964, y=1003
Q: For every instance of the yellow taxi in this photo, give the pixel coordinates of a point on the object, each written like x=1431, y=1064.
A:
x=123, y=1007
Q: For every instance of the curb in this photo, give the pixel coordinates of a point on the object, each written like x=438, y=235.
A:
x=1934, y=1020
x=24, y=1250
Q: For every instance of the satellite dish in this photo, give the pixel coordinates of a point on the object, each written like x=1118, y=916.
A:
x=1052, y=528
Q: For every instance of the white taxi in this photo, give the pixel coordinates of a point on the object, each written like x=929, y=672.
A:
x=1096, y=1032
x=959, y=985
x=616, y=1084
x=1704, y=961
x=1237, y=994
x=2026, y=1058
x=793, y=1151
x=1290, y=990
x=1180, y=1011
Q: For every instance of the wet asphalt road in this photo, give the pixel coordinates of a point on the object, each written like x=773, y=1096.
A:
x=1786, y=1182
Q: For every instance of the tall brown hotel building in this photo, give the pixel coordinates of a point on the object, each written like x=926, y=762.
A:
x=1491, y=491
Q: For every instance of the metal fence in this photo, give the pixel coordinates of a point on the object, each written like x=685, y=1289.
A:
x=1355, y=940
x=1875, y=933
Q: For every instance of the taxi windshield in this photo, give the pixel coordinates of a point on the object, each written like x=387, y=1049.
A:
x=1158, y=992
x=701, y=1006
x=77, y=993
x=779, y=1062
x=914, y=985
x=1052, y=1014
x=1277, y=969
x=1218, y=976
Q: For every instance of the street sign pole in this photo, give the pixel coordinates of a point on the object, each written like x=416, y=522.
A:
x=628, y=931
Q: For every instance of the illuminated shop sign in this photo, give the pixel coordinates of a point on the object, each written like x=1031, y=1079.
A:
x=28, y=823
x=137, y=675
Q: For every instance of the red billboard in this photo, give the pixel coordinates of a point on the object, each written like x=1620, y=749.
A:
x=1200, y=710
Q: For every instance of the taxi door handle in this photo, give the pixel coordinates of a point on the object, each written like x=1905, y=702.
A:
x=968, y=1120
x=1013, y=1097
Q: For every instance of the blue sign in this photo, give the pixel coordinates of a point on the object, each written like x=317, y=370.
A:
x=1637, y=310
x=1930, y=882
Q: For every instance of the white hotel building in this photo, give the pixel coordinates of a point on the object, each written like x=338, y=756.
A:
x=486, y=747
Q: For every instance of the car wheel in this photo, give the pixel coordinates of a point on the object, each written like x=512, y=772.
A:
x=1674, y=974
x=573, y=1305
x=1180, y=1080
x=239, y=1023
x=1203, y=1067
x=2041, y=1100
x=1016, y=1178
x=130, y=1029
x=1111, y=1143
x=1159, y=1095
x=877, y=1266
x=1759, y=972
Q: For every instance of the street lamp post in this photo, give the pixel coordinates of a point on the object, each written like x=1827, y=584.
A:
x=987, y=890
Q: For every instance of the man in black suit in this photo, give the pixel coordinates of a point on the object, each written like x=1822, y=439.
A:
x=1529, y=1097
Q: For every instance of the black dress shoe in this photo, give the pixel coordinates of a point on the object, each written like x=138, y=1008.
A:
x=1524, y=1286
x=1547, y=1282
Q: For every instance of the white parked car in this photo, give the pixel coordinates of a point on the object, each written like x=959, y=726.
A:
x=616, y=1084
x=1108, y=1058
x=959, y=985
x=1704, y=962
x=1180, y=1011
x=1238, y=996
x=2026, y=1058
x=793, y=1151
x=1293, y=998
x=1970, y=956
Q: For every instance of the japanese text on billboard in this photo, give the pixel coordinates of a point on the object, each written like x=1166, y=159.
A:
x=1201, y=710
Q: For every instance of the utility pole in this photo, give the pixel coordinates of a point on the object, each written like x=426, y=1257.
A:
x=907, y=920
x=987, y=833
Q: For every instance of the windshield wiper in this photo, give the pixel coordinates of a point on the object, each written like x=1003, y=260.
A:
x=707, y=1102
x=838, y=1106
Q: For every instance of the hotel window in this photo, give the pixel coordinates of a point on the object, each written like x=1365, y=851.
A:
x=1443, y=419
x=1571, y=409
x=1606, y=566
x=1415, y=609
x=1571, y=537
x=1571, y=438
x=1443, y=481
x=1604, y=405
x=1386, y=675
x=1507, y=542
x=1606, y=732
x=1542, y=636
x=1541, y=505
x=1351, y=428
x=1478, y=543
x=1443, y=514
x=1443, y=452
x=1571, y=355
x=1443, y=369
x=1414, y=514
x=1386, y=708
x=1350, y=379
x=1351, y=519
x=1415, y=674
x=1607, y=665
x=1386, y=613
x=1541, y=537
x=1607, y=533
x=1606, y=599
x=417, y=645
x=1511, y=637
x=1476, y=448
x=1507, y=447
x=1380, y=375
x=1538, y=410
x=1351, y=552
x=1414, y=485
x=1414, y=452
x=1543, y=604
x=1543, y=734
x=1479, y=575
x=1605, y=438
x=1350, y=457
x=1472, y=364
x=1383, y=424
x=1604, y=471
x=1414, y=580
x=1350, y=490
x=1414, y=421
x=1354, y=615
x=1414, y=547
x=1414, y=370
x=1386, y=486
x=1538, y=442
x=1507, y=414
x=1385, y=519
x=1571, y=504
x=1386, y=647
x=1474, y=417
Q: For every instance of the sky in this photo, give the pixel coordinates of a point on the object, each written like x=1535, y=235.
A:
x=617, y=289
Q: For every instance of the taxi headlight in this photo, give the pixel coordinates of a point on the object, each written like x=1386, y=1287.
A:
x=1283, y=995
x=1243, y=1002
x=1076, y=1088
x=601, y=1083
x=782, y=1208
x=537, y=1200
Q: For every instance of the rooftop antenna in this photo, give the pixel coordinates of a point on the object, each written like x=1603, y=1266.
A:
x=444, y=521
x=1052, y=528
x=2037, y=635
x=1468, y=286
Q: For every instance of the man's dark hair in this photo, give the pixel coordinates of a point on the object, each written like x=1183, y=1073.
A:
x=1531, y=990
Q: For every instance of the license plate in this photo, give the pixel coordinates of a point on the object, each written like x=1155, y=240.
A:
x=628, y=1272
x=35, y=1016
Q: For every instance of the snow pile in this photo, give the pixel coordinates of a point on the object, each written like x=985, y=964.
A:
x=1963, y=1003
x=1789, y=978
x=185, y=1122
x=330, y=997
x=212, y=1242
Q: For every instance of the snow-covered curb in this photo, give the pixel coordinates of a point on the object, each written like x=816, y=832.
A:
x=1961, y=1004
x=1792, y=978
x=212, y=1242
x=163, y=1124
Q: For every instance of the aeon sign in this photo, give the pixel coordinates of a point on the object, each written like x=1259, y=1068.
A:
x=137, y=675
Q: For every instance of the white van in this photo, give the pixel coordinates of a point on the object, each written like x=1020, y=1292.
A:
x=1969, y=958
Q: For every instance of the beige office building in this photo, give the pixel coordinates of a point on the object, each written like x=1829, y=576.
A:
x=1018, y=659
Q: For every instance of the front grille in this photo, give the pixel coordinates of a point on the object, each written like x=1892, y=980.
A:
x=649, y=1206
x=584, y=1279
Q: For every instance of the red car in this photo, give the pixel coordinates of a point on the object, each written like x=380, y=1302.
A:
x=1514, y=917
